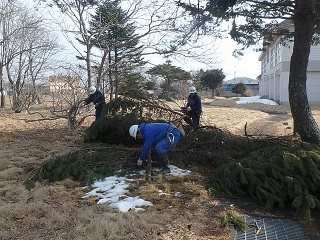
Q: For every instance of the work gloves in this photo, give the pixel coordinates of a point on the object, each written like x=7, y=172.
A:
x=139, y=162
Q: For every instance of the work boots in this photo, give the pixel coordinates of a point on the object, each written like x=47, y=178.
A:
x=165, y=164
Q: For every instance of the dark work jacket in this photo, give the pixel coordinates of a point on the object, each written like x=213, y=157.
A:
x=194, y=102
x=96, y=97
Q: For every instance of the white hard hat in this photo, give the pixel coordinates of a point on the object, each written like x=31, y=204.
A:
x=192, y=89
x=92, y=90
x=133, y=131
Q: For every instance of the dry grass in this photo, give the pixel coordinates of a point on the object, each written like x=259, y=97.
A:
x=57, y=211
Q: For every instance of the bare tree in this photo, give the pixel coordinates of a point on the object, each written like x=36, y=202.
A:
x=64, y=99
x=26, y=49
x=5, y=10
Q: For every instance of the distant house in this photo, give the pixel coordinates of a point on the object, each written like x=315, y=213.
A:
x=251, y=84
x=63, y=84
x=275, y=69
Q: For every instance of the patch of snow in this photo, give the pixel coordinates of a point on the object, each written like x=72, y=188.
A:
x=113, y=190
x=255, y=99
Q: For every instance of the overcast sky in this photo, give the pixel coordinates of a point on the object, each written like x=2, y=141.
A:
x=248, y=66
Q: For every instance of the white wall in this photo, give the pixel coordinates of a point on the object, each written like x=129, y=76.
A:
x=274, y=84
x=313, y=87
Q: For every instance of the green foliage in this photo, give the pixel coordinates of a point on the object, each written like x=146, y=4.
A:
x=275, y=176
x=119, y=114
x=131, y=188
x=112, y=127
x=231, y=218
x=257, y=17
x=212, y=78
x=239, y=88
x=169, y=74
x=132, y=85
x=150, y=85
x=83, y=165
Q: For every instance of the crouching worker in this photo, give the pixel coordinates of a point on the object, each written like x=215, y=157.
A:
x=161, y=136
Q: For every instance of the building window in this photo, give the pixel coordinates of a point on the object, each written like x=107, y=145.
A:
x=278, y=54
x=264, y=65
x=272, y=58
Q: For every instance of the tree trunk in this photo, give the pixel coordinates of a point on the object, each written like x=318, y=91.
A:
x=16, y=102
x=116, y=77
x=2, y=96
x=304, y=123
x=100, y=70
x=88, y=62
x=110, y=75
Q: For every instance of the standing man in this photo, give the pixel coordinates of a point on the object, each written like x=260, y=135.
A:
x=161, y=136
x=193, y=107
x=97, y=98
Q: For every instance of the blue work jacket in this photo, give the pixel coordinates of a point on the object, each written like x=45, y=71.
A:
x=152, y=134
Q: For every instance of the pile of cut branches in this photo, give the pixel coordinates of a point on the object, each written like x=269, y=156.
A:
x=119, y=114
x=275, y=176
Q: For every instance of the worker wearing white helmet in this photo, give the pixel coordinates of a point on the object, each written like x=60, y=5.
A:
x=92, y=90
x=192, y=89
x=133, y=131
x=97, y=98
x=161, y=136
x=193, y=107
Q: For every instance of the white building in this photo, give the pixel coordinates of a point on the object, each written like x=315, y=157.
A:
x=275, y=68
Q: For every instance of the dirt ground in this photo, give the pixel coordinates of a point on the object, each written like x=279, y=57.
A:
x=57, y=211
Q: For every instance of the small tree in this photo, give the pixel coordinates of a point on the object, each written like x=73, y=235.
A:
x=212, y=79
x=170, y=74
x=239, y=88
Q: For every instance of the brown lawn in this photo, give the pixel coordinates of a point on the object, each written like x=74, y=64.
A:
x=57, y=211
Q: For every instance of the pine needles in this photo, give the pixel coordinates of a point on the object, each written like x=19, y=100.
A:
x=119, y=114
x=85, y=165
x=275, y=176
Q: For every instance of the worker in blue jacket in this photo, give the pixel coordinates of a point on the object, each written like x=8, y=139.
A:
x=97, y=98
x=161, y=136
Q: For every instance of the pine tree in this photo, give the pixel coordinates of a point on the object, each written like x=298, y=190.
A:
x=123, y=55
x=239, y=88
x=169, y=74
x=212, y=79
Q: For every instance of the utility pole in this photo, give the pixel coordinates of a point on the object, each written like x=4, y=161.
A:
x=234, y=75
